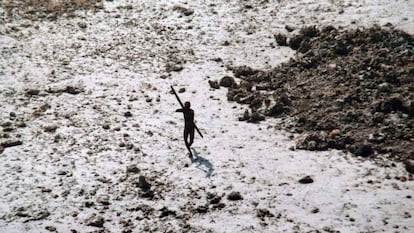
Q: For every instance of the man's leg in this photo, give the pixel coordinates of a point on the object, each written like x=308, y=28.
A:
x=186, y=142
x=191, y=136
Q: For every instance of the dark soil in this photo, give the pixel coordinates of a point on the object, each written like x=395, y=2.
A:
x=349, y=89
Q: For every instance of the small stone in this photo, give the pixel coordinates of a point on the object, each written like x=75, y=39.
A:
x=143, y=184
x=234, y=196
x=334, y=133
x=128, y=114
x=363, y=150
x=50, y=128
x=281, y=39
x=384, y=87
x=40, y=215
x=202, y=209
x=20, y=124
x=50, y=228
x=246, y=116
x=227, y=81
x=166, y=212
x=256, y=117
x=132, y=169
x=277, y=109
x=219, y=206
x=218, y=59
x=6, y=124
x=32, y=92
x=214, y=84
x=174, y=67
x=103, y=199
x=82, y=25
x=89, y=204
x=72, y=90
x=11, y=143
x=95, y=221
x=106, y=126
x=62, y=173
x=184, y=11
x=315, y=211
x=213, y=198
x=46, y=190
x=409, y=166
x=289, y=28
x=240, y=71
x=147, y=194
x=262, y=213
x=306, y=180
x=8, y=129
x=376, y=137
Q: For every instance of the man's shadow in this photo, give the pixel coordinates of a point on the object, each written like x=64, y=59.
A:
x=202, y=163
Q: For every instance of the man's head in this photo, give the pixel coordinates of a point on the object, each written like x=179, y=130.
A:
x=187, y=105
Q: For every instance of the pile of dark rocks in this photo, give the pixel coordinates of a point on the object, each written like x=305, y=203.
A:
x=348, y=89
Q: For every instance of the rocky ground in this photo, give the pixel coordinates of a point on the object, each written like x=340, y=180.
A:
x=90, y=141
x=347, y=89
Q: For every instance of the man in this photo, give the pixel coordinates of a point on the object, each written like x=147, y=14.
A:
x=189, y=125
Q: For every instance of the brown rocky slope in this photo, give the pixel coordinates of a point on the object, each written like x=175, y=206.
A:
x=349, y=89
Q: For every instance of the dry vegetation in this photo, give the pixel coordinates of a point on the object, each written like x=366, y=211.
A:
x=47, y=9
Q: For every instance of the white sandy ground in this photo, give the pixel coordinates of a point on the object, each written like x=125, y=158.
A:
x=119, y=60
